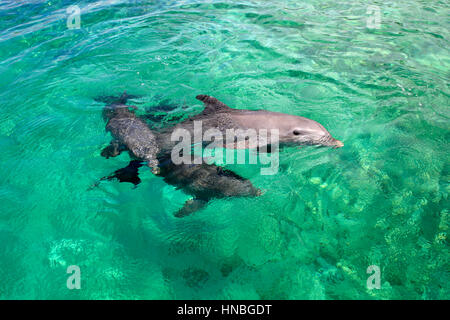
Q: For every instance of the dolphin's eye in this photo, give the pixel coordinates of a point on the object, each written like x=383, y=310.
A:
x=297, y=132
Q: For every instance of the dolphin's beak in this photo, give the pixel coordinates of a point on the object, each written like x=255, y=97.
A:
x=338, y=144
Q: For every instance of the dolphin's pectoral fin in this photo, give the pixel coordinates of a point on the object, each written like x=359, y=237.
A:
x=113, y=150
x=211, y=103
x=128, y=174
x=190, y=207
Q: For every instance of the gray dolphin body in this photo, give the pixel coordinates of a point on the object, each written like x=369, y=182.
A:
x=205, y=182
x=129, y=133
x=292, y=130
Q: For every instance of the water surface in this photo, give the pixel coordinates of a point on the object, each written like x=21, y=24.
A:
x=323, y=219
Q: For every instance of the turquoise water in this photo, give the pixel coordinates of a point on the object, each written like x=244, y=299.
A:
x=323, y=219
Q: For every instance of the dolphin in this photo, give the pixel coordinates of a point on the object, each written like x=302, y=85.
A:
x=292, y=129
x=129, y=133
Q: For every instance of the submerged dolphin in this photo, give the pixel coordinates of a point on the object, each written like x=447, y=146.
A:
x=203, y=181
x=292, y=130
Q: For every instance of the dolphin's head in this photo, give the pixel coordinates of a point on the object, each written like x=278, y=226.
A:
x=303, y=131
x=294, y=130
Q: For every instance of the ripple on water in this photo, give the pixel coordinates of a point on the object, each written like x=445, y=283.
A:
x=322, y=219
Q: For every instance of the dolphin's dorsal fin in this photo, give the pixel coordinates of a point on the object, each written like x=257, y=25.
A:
x=211, y=103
